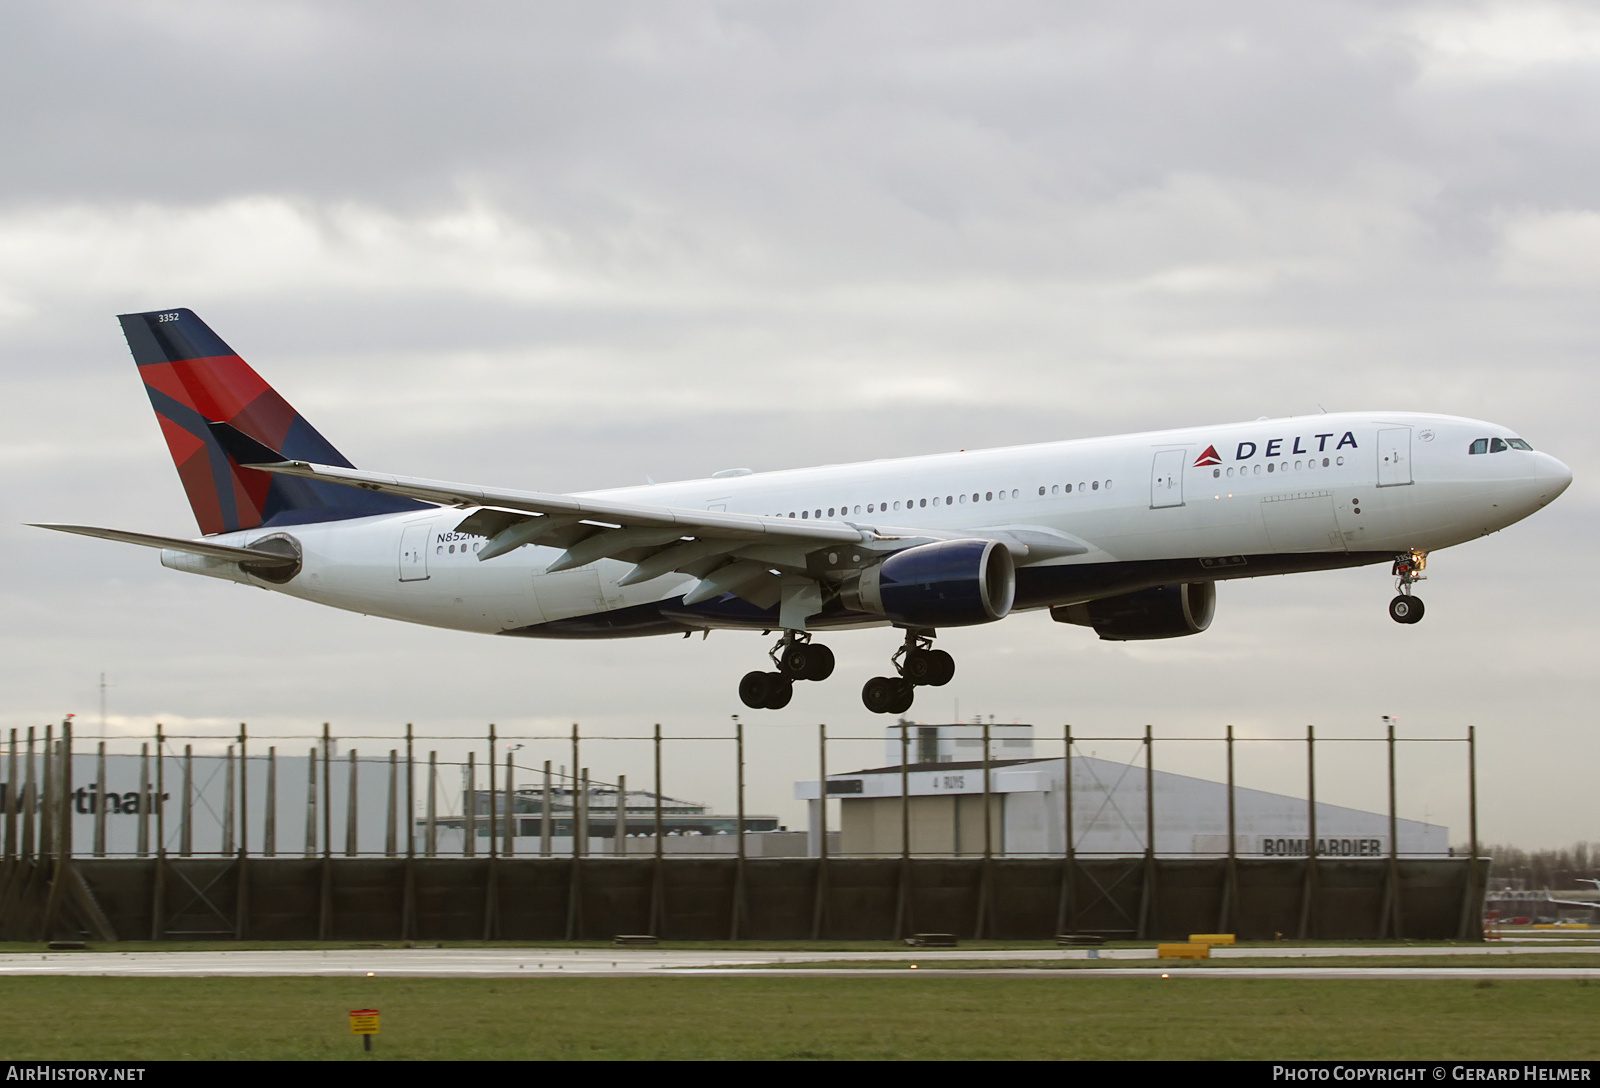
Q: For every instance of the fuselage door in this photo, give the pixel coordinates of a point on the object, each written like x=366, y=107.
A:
x=1166, y=479
x=1394, y=456
x=414, y=552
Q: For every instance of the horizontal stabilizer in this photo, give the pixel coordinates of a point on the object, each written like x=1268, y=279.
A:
x=253, y=556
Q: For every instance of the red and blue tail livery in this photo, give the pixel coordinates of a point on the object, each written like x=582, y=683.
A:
x=194, y=379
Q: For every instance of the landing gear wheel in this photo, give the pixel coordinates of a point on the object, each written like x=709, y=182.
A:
x=877, y=694
x=887, y=695
x=765, y=691
x=920, y=664
x=918, y=667
x=934, y=668
x=806, y=661
x=1407, y=571
x=779, y=691
x=753, y=690
x=1405, y=609
x=904, y=696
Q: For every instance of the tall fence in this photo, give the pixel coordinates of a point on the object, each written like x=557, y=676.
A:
x=238, y=840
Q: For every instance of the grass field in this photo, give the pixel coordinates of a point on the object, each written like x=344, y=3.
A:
x=753, y=945
x=1535, y=960
x=128, y=1019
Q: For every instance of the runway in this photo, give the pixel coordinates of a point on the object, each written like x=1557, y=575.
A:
x=655, y=962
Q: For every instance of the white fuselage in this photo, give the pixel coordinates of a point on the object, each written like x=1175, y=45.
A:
x=1313, y=491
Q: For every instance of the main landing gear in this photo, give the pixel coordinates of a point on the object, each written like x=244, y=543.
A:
x=918, y=663
x=1408, y=568
x=796, y=658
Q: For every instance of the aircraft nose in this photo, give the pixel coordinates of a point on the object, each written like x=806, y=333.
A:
x=1555, y=476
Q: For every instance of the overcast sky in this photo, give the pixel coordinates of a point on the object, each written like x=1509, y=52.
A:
x=570, y=246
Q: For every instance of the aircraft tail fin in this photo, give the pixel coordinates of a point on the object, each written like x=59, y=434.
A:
x=193, y=380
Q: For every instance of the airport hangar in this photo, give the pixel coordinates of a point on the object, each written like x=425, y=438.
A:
x=1112, y=806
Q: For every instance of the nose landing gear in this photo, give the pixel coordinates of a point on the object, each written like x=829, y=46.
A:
x=1408, y=568
x=796, y=657
x=918, y=664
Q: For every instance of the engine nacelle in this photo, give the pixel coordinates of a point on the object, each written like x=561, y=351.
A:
x=954, y=583
x=1162, y=612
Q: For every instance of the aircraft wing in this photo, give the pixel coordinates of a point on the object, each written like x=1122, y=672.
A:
x=748, y=555
x=622, y=515
x=730, y=553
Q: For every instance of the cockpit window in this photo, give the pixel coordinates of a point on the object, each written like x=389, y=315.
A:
x=1497, y=445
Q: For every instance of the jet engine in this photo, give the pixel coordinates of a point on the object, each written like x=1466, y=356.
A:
x=1170, y=611
x=953, y=583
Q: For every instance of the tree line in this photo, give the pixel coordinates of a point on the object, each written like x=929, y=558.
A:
x=1562, y=868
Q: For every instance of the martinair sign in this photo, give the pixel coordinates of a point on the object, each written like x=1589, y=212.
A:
x=299, y=795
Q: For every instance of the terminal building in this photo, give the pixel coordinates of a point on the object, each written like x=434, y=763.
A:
x=545, y=819
x=942, y=792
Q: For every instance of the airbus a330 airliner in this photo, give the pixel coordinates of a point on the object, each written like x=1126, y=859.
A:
x=1128, y=535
